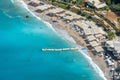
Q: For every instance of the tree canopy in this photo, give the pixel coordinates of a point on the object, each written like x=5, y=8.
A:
x=114, y=4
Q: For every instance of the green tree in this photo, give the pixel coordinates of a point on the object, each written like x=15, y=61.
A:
x=116, y=7
x=111, y=35
x=108, y=2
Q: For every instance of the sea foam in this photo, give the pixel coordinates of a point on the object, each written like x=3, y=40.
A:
x=22, y=4
x=8, y=14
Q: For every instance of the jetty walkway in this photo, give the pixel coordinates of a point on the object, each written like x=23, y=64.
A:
x=60, y=49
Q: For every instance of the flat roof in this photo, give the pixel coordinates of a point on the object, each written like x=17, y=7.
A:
x=56, y=10
x=110, y=43
x=69, y=17
x=95, y=28
x=117, y=46
x=94, y=43
x=91, y=38
x=35, y=1
x=69, y=12
x=44, y=7
x=114, y=44
x=97, y=3
x=73, y=15
x=79, y=23
x=88, y=31
x=61, y=15
x=98, y=35
x=98, y=49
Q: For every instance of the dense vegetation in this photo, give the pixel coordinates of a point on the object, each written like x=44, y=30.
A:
x=114, y=4
x=69, y=1
x=66, y=4
x=111, y=35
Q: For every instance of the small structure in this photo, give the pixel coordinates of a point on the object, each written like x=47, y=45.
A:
x=54, y=12
x=91, y=38
x=94, y=43
x=34, y=3
x=62, y=15
x=43, y=7
x=95, y=28
x=109, y=62
x=79, y=23
x=98, y=35
x=88, y=32
x=99, y=49
x=98, y=30
x=96, y=3
x=68, y=18
x=114, y=47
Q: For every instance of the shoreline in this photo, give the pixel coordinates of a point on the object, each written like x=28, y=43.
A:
x=79, y=41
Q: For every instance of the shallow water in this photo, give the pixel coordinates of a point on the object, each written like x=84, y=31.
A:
x=21, y=57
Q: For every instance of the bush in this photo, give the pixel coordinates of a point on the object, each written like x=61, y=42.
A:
x=85, y=14
x=60, y=5
x=118, y=19
x=116, y=7
x=111, y=35
x=104, y=8
x=79, y=12
x=74, y=10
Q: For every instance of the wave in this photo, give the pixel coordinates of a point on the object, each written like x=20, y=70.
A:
x=49, y=25
x=95, y=66
x=5, y=12
x=67, y=36
x=22, y=4
x=12, y=1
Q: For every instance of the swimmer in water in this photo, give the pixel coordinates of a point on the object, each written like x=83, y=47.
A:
x=27, y=16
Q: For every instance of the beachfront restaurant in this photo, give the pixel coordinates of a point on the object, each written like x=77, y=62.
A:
x=55, y=12
x=95, y=3
x=34, y=3
x=61, y=15
x=99, y=50
x=68, y=19
x=91, y=38
x=94, y=44
x=79, y=24
x=42, y=8
x=96, y=30
x=88, y=32
x=76, y=17
x=114, y=48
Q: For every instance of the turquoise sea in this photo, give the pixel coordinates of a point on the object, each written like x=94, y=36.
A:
x=21, y=57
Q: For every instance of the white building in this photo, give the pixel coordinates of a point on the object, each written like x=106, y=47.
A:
x=96, y=3
x=114, y=47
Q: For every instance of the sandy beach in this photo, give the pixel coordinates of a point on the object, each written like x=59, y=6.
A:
x=61, y=27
